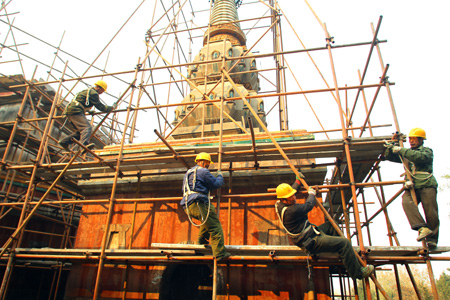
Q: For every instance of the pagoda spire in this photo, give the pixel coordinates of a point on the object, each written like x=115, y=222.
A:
x=224, y=23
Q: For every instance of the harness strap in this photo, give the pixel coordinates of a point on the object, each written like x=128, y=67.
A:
x=186, y=188
x=87, y=97
x=187, y=191
x=414, y=172
x=306, y=227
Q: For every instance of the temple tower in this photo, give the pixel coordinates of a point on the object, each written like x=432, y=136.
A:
x=223, y=39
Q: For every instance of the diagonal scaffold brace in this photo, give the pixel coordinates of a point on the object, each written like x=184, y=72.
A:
x=13, y=237
x=300, y=176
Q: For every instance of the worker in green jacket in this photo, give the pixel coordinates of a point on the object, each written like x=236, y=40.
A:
x=76, y=113
x=423, y=182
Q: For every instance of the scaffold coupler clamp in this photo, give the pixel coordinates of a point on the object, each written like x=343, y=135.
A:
x=168, y=254
x=330, y=40
x=385, y=80
x=272, y=254
x=348, y=140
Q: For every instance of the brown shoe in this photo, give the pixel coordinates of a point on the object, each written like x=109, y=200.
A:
x=366, y=271
x=423, y=233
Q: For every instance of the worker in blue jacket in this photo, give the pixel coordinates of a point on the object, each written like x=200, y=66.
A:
x=423, y=182
x=197, y=186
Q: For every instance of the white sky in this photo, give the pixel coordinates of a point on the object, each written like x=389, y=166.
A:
x=416, y=50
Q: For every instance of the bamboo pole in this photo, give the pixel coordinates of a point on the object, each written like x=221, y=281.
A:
x=351, y=175
x=196, y=63
x=103, y=50
x=279, y=62
x=39, y=155
x=263, y=126
x=228, y=99
x=175, y=154
x=30, y=215
x=361, y=80
x=7, y=275
x=365, y=106
x=382, y=79
x=405, y=164
x=112, y=202
x=250, y=123
x=230, y=186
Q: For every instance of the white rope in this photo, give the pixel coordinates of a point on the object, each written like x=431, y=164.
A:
x=187, y=191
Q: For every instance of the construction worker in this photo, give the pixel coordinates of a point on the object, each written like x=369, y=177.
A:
x=197, y=186
x=315, y=239
x=75, y=113
x=423, y=182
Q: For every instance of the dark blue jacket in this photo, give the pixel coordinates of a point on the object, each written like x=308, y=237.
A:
x=296, y=215
x=204, y=183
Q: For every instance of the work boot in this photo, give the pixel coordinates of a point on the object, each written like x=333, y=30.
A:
x=366, y=271
x=224, y=257
x=431, y=245
x=64, y=145
x=423, y=233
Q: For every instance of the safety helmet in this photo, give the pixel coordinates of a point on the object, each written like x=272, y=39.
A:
x=102, y=84
x=417, y=132
x=284, y=190
x=203, y=156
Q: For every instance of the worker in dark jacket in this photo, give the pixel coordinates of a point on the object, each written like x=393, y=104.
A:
x=76, y=110
x=197, y=185
x=315, y=239
x=423, y=182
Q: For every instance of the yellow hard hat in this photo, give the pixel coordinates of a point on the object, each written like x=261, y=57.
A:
x=203, y=156
x=284, y=190
x=417, y=132
x=102, y=84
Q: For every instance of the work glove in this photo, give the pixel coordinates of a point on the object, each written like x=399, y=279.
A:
x=91, y=112
x=388, y=144
x=396, y=149
x=409, y=185
x=311, y=191
x=109, y=108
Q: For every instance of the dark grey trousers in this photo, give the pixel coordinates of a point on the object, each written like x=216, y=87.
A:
x=426, y=196
x=84, y=129
x=330, y=241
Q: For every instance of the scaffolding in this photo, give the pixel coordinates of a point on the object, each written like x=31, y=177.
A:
x=41, y=182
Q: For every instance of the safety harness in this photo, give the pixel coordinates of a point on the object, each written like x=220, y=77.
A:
x=187, y=191
x=78, y=103
x=306, y=227
x=414, y=172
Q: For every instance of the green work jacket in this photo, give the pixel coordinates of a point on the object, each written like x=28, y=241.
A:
x=81, y=103
x=420, y=164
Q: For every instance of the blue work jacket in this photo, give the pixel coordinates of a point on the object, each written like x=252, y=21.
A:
x=204, y=183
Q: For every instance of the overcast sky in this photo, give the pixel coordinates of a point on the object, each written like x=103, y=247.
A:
x=416, y=51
